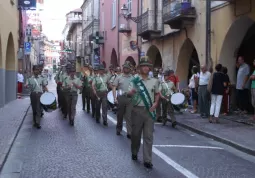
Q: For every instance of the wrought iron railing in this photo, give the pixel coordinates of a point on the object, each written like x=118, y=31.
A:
x=175, y=8
x=147, y=22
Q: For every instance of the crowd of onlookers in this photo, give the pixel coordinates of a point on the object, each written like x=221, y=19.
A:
x=210, y=89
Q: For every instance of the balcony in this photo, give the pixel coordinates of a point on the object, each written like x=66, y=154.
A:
x=178, y=15
x=148, y=27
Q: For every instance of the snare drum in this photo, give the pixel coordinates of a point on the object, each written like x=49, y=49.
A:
x=177, y=99
x=48, y=101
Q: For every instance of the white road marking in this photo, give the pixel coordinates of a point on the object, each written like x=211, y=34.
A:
x=164, y=157
x=189, y=146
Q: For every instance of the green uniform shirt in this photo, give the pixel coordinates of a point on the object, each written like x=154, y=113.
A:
x=152, y=86
x=36, y=83
x=166, y=88
x=253, y=81
x=101, y=82
x=68, y=83
x=63, y=76
x=122, y=82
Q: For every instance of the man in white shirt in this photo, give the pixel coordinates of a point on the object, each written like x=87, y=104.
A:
x=20, y=80
x=203, y=95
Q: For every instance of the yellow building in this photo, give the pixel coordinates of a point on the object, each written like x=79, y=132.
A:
x=177, y=39
x=8, y=50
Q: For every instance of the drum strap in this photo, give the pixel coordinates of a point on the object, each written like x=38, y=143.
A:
x=103, y=83
x=38, y=85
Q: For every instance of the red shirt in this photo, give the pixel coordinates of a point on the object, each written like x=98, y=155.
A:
x=174, y=79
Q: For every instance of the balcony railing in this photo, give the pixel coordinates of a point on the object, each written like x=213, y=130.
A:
x=176, y=14
x=148, y=27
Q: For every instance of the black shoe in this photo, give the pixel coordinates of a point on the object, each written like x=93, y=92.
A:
x=148, y=165
x=134, y=157
x=71, y=122
x=128, y=136
x=65, y=117
x=88, y=111
x=164, y=122
x=42, y=114
x=174, y=124
x=117, y=133
x=105, y=123
x=83, y=109
x=37, y=126
x=93, y=115
x=98, y=121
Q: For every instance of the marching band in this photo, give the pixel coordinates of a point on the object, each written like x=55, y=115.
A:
x=135, y=94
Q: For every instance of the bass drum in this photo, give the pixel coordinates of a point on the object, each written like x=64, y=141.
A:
x=177, y=100
x=48, y=101
x=110, y=97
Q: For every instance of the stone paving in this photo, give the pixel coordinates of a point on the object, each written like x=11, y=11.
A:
x=11, y=117
x=238, y=135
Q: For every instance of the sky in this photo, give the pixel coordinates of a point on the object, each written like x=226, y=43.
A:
x=53, y=16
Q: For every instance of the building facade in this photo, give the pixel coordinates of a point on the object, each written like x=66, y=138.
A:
x=8, y=50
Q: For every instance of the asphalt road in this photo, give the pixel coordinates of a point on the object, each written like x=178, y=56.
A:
x=91, y=150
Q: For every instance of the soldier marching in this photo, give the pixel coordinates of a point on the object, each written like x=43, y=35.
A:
x=136, y=95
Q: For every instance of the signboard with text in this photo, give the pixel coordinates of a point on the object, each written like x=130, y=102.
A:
x=27, y=4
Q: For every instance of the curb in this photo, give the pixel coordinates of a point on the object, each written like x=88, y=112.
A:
x=219, y=139
x=2, y=163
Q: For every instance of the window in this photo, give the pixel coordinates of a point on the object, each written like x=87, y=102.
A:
x=129, y=6
x=114, y=13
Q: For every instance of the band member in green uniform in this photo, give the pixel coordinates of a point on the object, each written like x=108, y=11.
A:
x=37, y=85
x=56, y=78
x=72, y=84
x=100, y=89
x=167, y=88
x=145, y=95
x=64, y=90
x=124, y=103
x=86, y=78
x=92, y=95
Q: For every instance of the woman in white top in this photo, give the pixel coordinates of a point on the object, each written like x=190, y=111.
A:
x=193, y=85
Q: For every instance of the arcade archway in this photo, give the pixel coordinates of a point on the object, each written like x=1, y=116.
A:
x=10, y=73
x=154, y=54
x=187, y=58
x=237, y=42
x=114, y=58
x=131, y=60
x=1, y=61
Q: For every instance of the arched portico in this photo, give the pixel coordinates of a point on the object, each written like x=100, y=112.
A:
x=232, y=44
x=10, y=71
x=114, y=58
x=131, y=60
x=187, y=58
x=1, y=56
x=154, y=55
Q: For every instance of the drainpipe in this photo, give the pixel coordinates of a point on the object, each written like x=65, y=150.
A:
x=208, y=33
x=138, y=47
x=118, y=35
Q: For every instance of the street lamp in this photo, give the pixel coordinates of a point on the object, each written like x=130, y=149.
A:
x=124, y=13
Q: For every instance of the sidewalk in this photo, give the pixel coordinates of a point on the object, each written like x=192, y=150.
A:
x=11, y=118
x=232, y=133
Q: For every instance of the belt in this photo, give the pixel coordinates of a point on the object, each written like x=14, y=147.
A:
x=203, y=85
x=37, y=92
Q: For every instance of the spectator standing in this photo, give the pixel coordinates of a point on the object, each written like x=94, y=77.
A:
x=216, y=87
x=20, y=80
x=226, y=95
x=252, y=78
x=203, y=95
x=242, y=85
x=193, y=85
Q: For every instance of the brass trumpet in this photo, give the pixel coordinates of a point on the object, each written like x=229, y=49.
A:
x=86, y=72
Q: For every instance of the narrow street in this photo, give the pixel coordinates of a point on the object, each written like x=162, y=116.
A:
x=90, y=150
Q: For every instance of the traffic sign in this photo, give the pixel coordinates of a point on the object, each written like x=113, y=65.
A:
x=27, y=47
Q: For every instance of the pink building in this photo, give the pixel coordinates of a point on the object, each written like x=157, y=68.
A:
x=119, y=33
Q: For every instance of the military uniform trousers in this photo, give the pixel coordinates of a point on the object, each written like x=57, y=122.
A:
x=93, y=102
x=102, y=101
x=86, y=99
x=71, y=104
x=167, y=108
x=142, y=122
x=59, y=95
x=65, y=102
x=36, y=106
x=124, y=111
x=159, y=109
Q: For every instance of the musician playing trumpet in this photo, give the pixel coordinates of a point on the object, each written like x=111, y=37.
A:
x=167, y=88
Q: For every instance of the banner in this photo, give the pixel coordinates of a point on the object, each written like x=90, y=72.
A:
x=27, y=4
